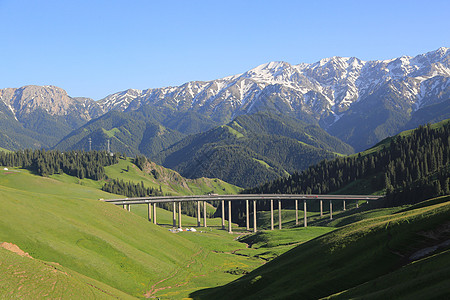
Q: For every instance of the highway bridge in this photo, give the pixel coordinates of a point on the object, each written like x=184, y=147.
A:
x=254, y=198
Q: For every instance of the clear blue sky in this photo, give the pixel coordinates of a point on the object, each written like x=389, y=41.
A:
x=95, y=48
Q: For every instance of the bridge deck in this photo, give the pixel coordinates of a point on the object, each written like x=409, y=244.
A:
x=240, y=197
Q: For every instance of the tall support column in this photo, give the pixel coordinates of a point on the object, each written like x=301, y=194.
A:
x=357, y=204
x=154, y=213
x=321, y=208
x=343, y=204
x=129, y=207
x=174, y=212
x=271, y=214
x=247, y=215
x=254, y=215
x=124, y=206
x=179, y=215
x=229, y=216
x=296, y=212
x=204, y=214
x=331, y=210
x=305, y=217
x=279, y=214
x=223, y=214
x=149, y=212
x=198, y=213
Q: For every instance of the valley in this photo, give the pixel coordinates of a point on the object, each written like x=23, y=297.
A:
x=81, y=247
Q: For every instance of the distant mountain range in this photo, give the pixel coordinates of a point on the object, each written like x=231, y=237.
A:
x=358, y=102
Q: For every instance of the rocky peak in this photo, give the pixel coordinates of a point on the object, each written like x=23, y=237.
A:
x=51, y=99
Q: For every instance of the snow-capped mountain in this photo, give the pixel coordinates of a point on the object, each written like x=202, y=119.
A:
x=330, y=86
x=325, y=92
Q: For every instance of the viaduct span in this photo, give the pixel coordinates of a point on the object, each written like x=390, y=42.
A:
x=152, y=201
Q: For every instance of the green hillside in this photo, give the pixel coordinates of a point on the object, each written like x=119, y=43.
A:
x=269, y=123
x=170, y=182
x=252, y=149
x=364, y=252
x=27, y=278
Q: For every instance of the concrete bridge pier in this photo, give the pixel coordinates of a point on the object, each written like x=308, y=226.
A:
x=247, y=215
x=179, y=215
x=305, y=217
x=174, y=217
x=331, y=210
x=279, y=214
x=154, y=213
x=229, y=216
x=204, y=214
x=129, y=207
x=296, y=212
x=149, y=212
x=254, y=215
x=343, y=204
x=124, y=206
x=198, y=214
x=271, y=214
x=357, y=204
x=321, y=208
x=223, y=214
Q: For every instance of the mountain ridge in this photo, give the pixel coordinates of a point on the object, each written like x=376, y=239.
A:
x=338, y=93
x=328, y=93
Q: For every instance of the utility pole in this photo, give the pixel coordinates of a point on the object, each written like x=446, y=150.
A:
x=90, y=144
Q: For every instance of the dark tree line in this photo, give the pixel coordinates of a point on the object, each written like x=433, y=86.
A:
x=77, y=163
x=130, y=189
x=410, y=168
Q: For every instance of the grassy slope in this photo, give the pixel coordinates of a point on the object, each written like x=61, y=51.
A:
x=94, y=238
x=27, y=278
x=342, y=259
x=425, y=279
